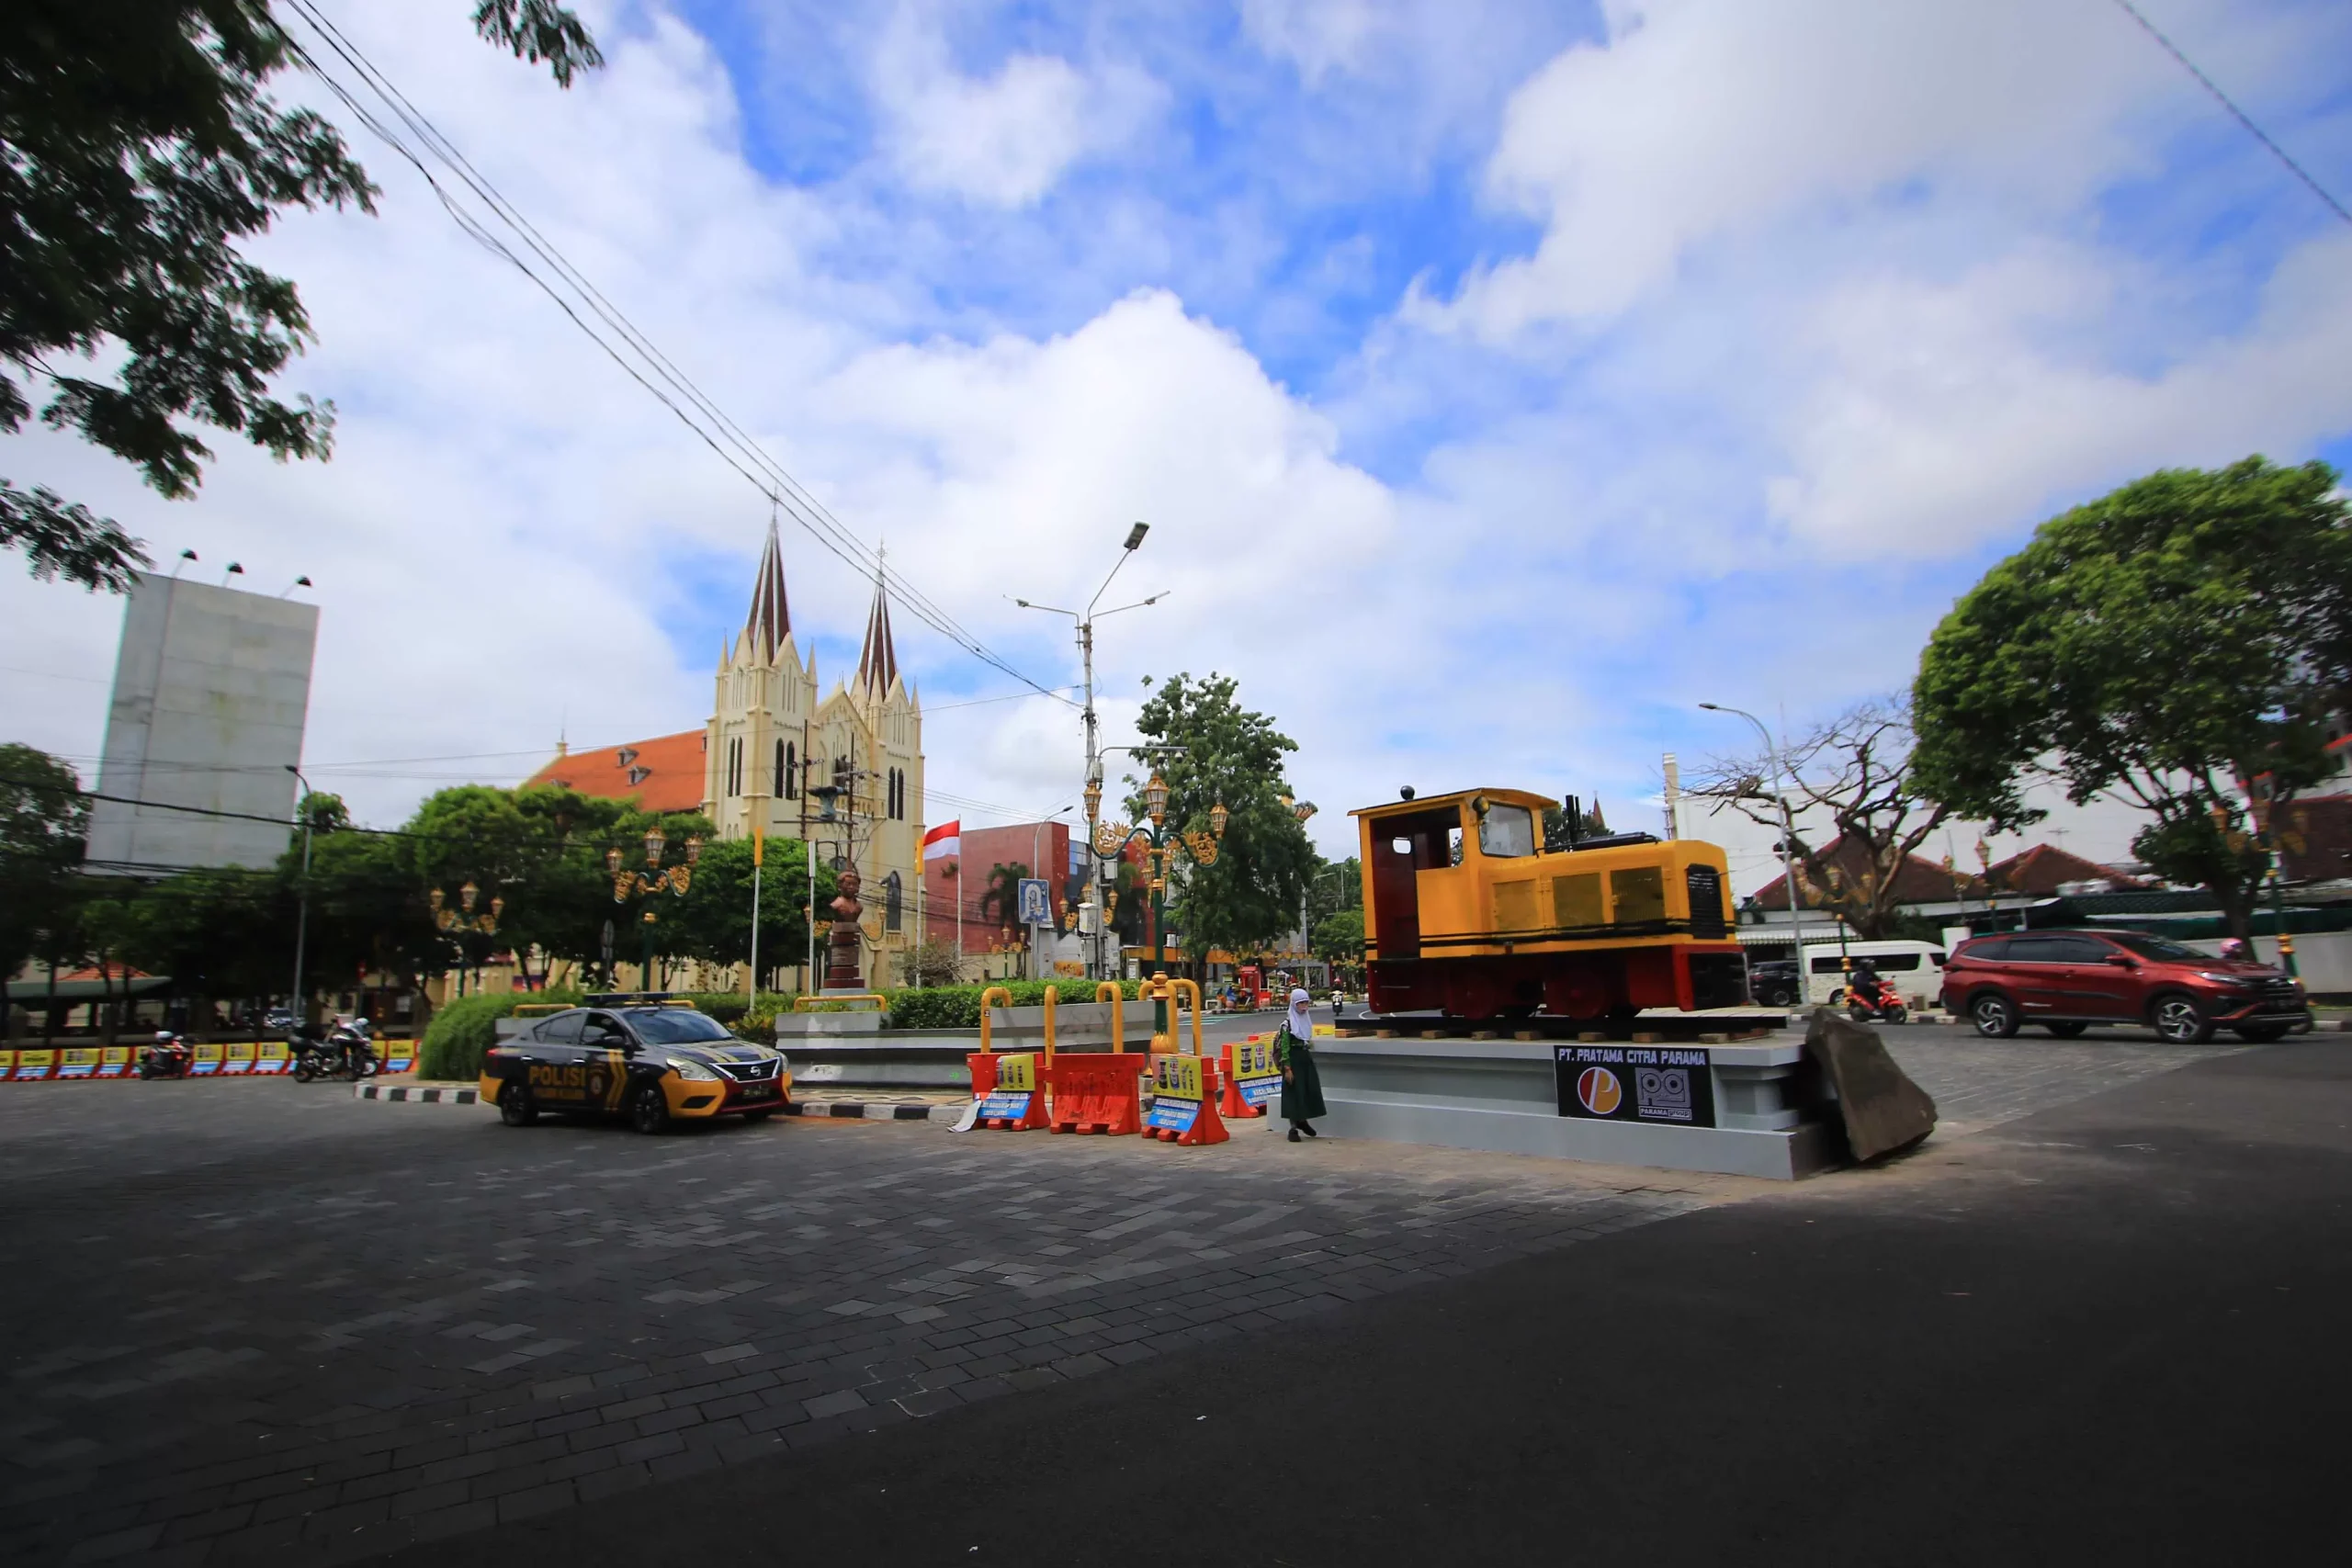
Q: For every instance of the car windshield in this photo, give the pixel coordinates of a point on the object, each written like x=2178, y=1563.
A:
x=675, y=1026
x=2156, y=947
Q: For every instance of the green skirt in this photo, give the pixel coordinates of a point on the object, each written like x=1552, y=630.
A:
x=1303, y=1090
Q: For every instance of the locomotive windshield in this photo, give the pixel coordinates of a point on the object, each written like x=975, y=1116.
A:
x=1507, y=830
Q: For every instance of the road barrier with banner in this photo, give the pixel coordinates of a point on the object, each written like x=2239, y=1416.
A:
x=398, y=1055
x=113, y=1061
x=32, y=1066
x=271, y=1060
x=77, y=1062
x=237, y=1060
x=1181, y=1109
x=207, y=1063
x=1253, y=1079
x=1005, y=1091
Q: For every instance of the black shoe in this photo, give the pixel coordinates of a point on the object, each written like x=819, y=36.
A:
x=1308, y=1128
x=1293, y=1134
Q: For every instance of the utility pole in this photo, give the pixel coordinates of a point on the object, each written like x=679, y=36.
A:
x=1085, y=620
x=302, y=916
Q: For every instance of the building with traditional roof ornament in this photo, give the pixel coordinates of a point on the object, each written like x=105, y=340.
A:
x=772, y=738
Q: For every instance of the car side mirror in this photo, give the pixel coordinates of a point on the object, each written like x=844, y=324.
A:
x=2122, y=961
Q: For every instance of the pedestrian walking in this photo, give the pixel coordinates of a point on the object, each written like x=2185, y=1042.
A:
x=1302, y=1085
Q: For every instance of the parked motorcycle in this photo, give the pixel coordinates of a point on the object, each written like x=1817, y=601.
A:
x=1880, y=1004
x=166, y=1056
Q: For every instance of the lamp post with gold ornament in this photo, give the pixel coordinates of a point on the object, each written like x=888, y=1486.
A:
x=1160, y=844
x=462, y=920
x=629, y=882
x=1302, y=811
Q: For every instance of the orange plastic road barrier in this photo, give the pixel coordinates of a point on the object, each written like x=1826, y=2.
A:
x=1095, y=1093
x=1253, y=1079
x=1005, y=1083
x=1183, y=1110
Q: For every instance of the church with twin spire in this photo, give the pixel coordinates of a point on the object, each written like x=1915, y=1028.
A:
x=842, y=770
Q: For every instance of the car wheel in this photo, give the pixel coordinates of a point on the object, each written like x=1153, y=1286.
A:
x=514, y=1107
x=1782, y=997
x=1994, y=1016
x=2179, y=1019
x=2066, y=1031
x=302, y=1073
x=648, y=1112
x=2261, y=1033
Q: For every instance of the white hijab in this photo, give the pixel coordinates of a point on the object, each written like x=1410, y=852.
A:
x=1301, y=1022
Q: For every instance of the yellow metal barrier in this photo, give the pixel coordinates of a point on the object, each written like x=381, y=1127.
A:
x=1175, y=986
x=1118, y=1015
x=1053, y=995
x=810, y=1004
x=987, y=996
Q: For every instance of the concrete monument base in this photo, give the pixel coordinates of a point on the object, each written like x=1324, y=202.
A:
x=1502, y=1096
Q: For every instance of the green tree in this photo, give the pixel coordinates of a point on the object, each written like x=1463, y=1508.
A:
x=138, y=150
x=44, y=820
x=1338, y=939
x=2163, y=645
x=713, y=922
x=222, y=933
x=1232, y=755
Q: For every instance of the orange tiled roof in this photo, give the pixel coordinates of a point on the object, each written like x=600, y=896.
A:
x=661, y=774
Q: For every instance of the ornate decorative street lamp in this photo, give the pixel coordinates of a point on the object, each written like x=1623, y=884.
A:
x=462, y=921
x=629, y=882
x=1160, y=844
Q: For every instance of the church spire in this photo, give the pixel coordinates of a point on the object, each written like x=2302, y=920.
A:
x=771, y=618
x=877, y=666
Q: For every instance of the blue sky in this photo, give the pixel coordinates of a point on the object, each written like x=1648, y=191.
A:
x=1500, y=379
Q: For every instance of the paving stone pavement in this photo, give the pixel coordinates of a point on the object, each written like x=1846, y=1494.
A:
x=263, y=1321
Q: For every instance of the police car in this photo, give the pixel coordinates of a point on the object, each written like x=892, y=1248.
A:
x=651, y=1062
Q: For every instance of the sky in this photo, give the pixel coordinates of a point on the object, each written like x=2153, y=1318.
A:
x=1500, y=381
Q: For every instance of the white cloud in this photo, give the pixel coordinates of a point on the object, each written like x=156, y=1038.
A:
x=1700, y=121
x=1003, y=140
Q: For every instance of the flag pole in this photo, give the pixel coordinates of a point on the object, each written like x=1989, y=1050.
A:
x=759, y=853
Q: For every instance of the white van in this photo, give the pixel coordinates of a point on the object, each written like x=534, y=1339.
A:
x=1915, y=967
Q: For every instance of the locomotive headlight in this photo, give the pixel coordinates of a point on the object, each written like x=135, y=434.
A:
x=687, y=1067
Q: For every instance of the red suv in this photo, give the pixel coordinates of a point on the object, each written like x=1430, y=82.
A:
x=2066, y=981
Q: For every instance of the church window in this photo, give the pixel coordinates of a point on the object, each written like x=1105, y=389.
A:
x=779, y=769
x=791, y=770
x=893, y=902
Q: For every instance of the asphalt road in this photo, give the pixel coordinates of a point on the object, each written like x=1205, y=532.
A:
x=2109, y=1331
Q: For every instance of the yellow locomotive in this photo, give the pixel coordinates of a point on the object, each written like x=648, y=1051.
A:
x=1467, y=911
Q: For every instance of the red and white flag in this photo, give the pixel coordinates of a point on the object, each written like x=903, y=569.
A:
x=944, y=841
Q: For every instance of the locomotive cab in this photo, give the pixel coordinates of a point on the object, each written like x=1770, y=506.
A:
x=1467, y=911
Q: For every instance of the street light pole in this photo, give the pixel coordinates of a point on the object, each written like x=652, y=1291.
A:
x=303, y=906
x=1788, y=830
x=1085, y=621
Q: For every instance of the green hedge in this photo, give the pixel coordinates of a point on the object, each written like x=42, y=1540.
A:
x=959, y=1007
x=461, y=1031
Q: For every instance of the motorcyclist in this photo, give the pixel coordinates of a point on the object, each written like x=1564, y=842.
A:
x=2236, y=950
x=1861, y=983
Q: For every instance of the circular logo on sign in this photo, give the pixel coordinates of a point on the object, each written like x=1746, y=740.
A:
x=1599, y=1092
x=595, y=1083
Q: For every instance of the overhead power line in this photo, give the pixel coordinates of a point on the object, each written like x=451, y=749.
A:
x=2236, y=113
x=643, y=361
